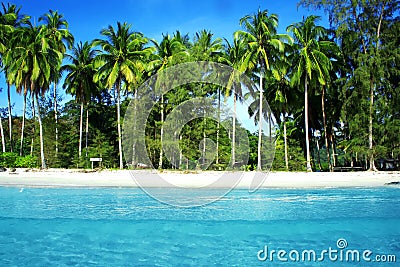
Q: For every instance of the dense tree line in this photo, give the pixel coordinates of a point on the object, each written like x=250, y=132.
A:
x=334, y=92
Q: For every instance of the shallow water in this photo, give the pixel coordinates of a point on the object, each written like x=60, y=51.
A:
x=126, y=227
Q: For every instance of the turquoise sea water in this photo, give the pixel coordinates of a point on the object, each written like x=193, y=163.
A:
x=125, y=227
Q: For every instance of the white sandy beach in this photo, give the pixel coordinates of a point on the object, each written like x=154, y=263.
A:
x=146, y=178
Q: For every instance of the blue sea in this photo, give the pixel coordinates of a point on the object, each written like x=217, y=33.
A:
x=269, y=227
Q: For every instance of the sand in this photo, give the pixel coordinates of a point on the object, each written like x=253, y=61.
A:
x=147, y=178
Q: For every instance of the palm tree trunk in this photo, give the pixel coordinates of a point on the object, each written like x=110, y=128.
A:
x=134, y=129
x=260, y=124
x=87, y=130
x=306, y=125
x=41, y=134
x=33, y=116
x=9, y=116
x=160, y=162
x=325, y=130
x=285, y=141
x=333, y=148
x=318, y=154
x=121, y=163
x=3, y=144
x=80, y=132
x=55, y=115
x=234, y=130
x=218, y=124
x=22, y=128
x=370, y=132
x=180, y=152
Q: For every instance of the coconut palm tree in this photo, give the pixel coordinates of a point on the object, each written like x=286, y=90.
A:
x=260, y=34
x=57, y=31
x=169, y=51
x=38, y=56
x=235, y=54
x=10, y=19
x=207, y=48
x=312, y=63
x=79, y=80
x=122, y=61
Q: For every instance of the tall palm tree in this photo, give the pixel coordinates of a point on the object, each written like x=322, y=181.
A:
x=10, y=19
x=260, y=34
x=79, y=80
x=235, y=54
x=122, y=61
x=57, y=31
x=207, y=48
x=169, y=51
x=38, y=56
x=312, y=62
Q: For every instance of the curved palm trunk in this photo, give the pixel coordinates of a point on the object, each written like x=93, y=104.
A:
x=260, y=125
x=22, y=128
x=2, y=136
x=121, y=164
x=285, y=141
x=9, y=117
x=309, y=169
x=56, y=116
x=80, y=131
x=160, y=162
x=41, y=134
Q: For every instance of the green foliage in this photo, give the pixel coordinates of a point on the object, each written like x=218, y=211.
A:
x=12, y=160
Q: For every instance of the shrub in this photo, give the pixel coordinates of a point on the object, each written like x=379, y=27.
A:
x=26, y=162
x=11, y=160
x=7, y=159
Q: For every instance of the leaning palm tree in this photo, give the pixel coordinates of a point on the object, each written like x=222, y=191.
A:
x=169, y=51
x=312, y=63
x=121, y=62
x=57, y=30
x=260, y=34
x=79, y=80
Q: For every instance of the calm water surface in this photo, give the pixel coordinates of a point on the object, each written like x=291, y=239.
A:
x=125, y=227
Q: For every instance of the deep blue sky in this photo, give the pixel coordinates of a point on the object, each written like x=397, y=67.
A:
x=154, y=17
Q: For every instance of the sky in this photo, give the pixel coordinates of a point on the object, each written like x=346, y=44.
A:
x=153, y=18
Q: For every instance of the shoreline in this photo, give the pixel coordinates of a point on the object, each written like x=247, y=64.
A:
x=70, y=178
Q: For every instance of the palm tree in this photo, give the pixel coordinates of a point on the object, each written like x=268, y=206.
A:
x=260, y=34
x=205, y=48
x=10, y=19
x=79, y=80
x=311, y=61
x=121, y=62
x=57, y=31
x=235, y=54
x=37, y=53
x=169, y=52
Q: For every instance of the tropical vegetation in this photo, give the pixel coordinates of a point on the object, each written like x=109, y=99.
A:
x=334, y=91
